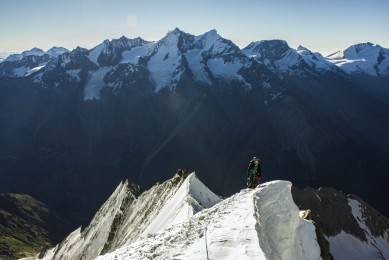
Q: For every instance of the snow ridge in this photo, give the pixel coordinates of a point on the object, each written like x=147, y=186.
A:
x=279, y=57
x=124, y=218
x=183, y=219
x=282, y=233
x=240, y=227
x=90, y=242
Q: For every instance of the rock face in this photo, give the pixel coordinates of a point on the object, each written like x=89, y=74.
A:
x=27, y=226
x=134, y=109
x=353, y=228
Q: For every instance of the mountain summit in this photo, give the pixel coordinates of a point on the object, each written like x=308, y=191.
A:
x=366, y=58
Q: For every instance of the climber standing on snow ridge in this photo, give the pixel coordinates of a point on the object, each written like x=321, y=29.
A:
x=254, y=173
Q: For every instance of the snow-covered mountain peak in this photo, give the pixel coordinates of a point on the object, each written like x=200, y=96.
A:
x=267, y=51
x=34, y=52
x=56, y=51
x=216, y=45
x=165, y=63
x=206, y=40
x=110, y=53
x=176, y=38
x=361, y=50
x=18, y=57
x=277, y=55
x=363, y=46
x=264, y=46
x=211, y=32
x=301, y=48
x=365, y=58
x=175, y=31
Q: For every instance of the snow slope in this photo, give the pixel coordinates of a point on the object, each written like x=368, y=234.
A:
x=95, y=83
x=162, y=206
x=346, y=246
x=165, y=65
x=263, y=223
x=368, y=58
x=191, y=197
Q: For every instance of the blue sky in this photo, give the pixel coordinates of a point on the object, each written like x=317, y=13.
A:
x=318, y=25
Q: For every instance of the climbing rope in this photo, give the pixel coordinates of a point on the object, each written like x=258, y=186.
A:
x=206, y=243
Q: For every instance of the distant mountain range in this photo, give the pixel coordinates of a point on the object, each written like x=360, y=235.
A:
x=74, y=123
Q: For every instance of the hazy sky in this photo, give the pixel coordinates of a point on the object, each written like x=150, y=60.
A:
x=318, y=25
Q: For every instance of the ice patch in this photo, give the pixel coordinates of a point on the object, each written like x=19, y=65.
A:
x=196, y=65
x=220, y=68
x=95, y=83
x=74, y=74
x=29, y=72
x=133, y=55
x=20, y=72
x=266, y=85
